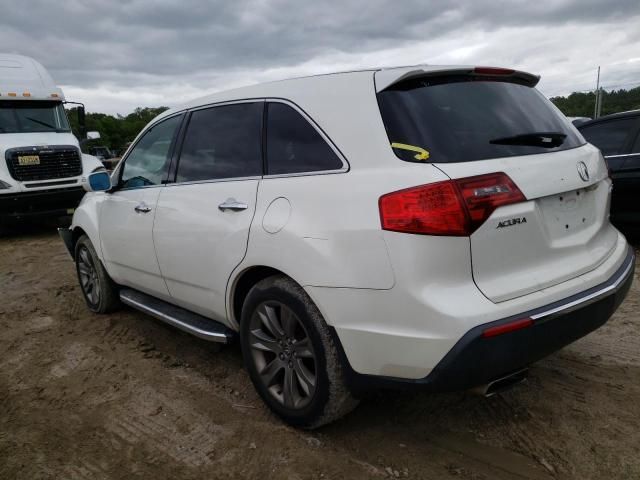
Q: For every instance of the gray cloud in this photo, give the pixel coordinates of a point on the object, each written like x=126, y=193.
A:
x=200, y=45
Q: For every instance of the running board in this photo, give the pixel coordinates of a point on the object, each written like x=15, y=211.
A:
x=180, y=318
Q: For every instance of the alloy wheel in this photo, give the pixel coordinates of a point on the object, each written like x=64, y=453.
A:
x=283, y=354
x=88, y=276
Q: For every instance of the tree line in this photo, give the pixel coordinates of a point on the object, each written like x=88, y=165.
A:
x=581, y=104
x=115, y=132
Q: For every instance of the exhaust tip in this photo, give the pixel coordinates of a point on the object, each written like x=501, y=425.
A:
x=501, y=384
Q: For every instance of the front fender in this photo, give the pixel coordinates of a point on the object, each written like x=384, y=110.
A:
x=86, y=217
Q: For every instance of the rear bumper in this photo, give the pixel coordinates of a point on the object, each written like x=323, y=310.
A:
x=476, y=360
x=56, y=202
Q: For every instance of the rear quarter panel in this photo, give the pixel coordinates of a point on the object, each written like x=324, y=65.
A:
x=331, y=236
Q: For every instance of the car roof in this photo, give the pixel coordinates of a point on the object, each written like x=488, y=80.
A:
x=325, y=84
x=343, y=106
x=628, y=113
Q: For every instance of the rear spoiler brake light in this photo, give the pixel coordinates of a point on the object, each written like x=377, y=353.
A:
x=388, y=77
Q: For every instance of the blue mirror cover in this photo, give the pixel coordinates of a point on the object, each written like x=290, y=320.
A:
x=100, y=181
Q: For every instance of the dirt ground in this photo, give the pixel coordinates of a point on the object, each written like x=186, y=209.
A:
x=123, y=396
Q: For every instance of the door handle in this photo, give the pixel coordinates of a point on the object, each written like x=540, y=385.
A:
x=142, y=208
x=233, y=205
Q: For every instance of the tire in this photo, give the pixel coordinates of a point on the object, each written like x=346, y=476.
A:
x=99, y=291
x=291, y=356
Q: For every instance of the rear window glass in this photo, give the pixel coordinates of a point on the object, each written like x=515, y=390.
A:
x=463, y=118
x=610, y=136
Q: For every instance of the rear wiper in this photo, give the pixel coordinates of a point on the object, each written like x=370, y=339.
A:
x=533, y=139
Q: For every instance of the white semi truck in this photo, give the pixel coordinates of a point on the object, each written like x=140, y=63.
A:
x=41, y=164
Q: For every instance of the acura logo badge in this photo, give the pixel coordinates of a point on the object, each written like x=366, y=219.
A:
x=583, y=171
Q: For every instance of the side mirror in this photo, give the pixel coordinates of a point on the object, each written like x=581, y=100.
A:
x=97, y=182
x=93, y=135
x=82, y=121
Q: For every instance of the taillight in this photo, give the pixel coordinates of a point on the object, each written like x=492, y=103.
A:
x=484, y=193
x=453, y=207
x=428, y=209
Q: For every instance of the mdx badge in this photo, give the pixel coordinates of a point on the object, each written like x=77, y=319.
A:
x=583, y=171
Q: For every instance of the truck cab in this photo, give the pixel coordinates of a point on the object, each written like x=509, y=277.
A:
x=41, y=165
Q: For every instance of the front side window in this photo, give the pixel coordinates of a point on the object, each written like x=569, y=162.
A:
x=294, y=145
x=148, y=162
x=462, y=118
x=610, y=136
x=222, y=142
x=26, y=116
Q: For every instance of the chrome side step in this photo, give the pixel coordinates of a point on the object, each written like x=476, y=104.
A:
x=180, y=318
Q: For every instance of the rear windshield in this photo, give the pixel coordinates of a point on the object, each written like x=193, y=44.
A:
x=466, y=118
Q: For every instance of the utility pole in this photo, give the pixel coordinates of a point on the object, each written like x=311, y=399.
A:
x=596, y=109
x=601, y=93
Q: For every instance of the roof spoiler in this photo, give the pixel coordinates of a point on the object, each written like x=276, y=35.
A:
x=388, y=77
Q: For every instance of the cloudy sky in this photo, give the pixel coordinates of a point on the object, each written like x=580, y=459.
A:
x=117, y=55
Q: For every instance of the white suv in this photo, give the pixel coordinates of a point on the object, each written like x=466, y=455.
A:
x=437, y=226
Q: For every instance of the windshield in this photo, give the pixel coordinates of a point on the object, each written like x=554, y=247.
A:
x=26, y=116
x=466, y=118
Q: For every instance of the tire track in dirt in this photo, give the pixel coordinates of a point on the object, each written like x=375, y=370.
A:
x=85, y=471
x=188, y=449
x=120, y=396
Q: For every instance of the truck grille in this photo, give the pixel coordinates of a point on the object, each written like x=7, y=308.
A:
x=44, y=163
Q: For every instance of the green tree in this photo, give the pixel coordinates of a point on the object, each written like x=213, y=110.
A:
x=580, y=104
x=115, y=132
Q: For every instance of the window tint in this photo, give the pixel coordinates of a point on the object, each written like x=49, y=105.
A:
x=222, y=142
x=636, y=145
x=148, y=162
x=465, y=118
x=294, y=145
x=609, y=136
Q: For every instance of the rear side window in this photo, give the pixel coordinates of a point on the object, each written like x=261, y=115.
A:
x=222, y=142
x=610, y=136
x=466, y=118
x=294, y=145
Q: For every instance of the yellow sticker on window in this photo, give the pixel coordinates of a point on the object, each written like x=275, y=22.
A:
x=421, y=154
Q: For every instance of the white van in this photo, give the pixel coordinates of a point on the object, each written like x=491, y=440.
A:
x=437, y=227
x=41, y=165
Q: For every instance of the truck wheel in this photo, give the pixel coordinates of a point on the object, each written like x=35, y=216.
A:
x=291, y=356
x=99, y=291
